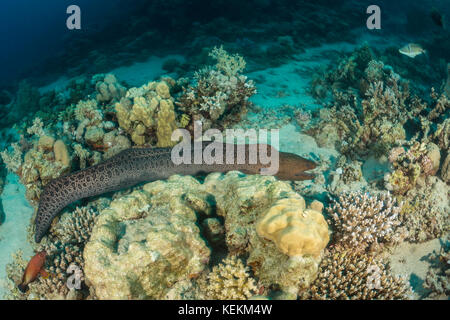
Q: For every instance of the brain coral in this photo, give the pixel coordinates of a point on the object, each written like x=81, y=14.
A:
x=295, y=230
x=143, y=244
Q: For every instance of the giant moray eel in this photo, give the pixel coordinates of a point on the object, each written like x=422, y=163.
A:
x=136, y=165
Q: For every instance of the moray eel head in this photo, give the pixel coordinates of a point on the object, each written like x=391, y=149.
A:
x=293, y=167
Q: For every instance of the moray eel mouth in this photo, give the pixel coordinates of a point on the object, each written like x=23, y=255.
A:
x=293, y=167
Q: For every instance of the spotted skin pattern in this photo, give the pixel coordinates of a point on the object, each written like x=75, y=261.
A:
x=136, y=165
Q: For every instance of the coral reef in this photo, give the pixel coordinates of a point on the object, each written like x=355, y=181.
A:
x=235, y=236
x=419, y=161
x=108, y=88
x=365, y=222
x=425, y=212
x=64, y=248
x=220, y=96
x=296, y=231
x=44, y=160
x=147, y=114
x=156, y=227
x=370, y=106
x=230, y=280
x=144, y=244
x=350, y=275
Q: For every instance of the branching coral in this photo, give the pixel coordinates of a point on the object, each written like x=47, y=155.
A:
x=231, y=65
x=221, y=94
x=349, y=275
x=364, y=222
x=230, y=280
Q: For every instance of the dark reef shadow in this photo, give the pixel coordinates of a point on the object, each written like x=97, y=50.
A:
x=417, y=284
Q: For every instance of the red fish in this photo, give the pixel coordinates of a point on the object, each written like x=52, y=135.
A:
x=33, y=269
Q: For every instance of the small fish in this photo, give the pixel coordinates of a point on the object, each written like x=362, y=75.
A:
x=437, y=18
x=33, y=269
x=412, y=50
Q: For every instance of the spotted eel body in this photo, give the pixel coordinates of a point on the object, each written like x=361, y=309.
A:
x=136, y=165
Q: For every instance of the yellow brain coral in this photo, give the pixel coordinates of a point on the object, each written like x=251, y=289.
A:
x=296, y=231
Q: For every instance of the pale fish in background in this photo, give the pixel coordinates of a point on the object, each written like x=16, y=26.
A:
x=412, y=50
